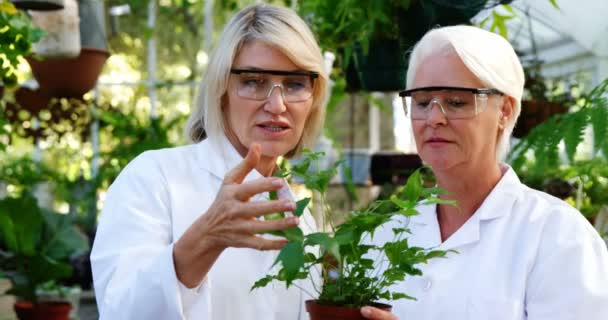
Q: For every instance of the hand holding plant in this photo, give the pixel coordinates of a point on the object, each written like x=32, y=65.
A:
x=355, y=270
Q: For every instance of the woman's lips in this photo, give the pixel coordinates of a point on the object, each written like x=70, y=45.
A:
x=437, y=141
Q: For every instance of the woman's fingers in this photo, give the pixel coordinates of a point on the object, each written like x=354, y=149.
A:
x=238, y=173
x=377, y=314
x=254, y=209
x=249, y=189
x=263, y=244
x=257, y=226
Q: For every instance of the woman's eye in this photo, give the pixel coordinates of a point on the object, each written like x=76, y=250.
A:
x=294, y=85
x=422, y=104
x=456, y=103
x=252, y=82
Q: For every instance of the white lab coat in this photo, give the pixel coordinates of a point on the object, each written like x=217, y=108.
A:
x=523, y=255
x=147, y=209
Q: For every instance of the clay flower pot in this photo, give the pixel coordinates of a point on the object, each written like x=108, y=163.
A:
x=69, y=77
x=26, y=310
x=329, y=312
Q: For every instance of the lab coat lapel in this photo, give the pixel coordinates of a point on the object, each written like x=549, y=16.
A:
x=498, y=204
x=218, y=157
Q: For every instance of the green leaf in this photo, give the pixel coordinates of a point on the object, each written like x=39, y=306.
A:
x=262, y=282
x=291, y=258
x=399, y=295
x=413, y=188
x=294, y=234
x=554, y=3
x=327, y=243
x=300, y=206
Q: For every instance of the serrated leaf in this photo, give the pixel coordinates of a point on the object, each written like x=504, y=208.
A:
x=399, y=295
x=262, y=282
x=327, y=243
x=291, y=258
x=294, y=234
x=413, y=188
x=300, y=206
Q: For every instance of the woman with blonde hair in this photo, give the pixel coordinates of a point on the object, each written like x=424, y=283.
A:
x=179, y=235
x=520, y=253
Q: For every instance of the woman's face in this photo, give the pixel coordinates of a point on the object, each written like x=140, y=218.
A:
x=456, y=143
x=275, y=124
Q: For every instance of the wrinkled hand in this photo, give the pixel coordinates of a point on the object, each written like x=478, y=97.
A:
x=231, y=221
x=377, y=314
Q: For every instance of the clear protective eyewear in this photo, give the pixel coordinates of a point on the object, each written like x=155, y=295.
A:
x=454, y=102
x=255, y=84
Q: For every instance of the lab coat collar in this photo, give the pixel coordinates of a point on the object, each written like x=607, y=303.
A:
x=218, y=156
x=496, y=205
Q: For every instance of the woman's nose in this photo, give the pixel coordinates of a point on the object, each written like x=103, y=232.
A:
x=275, y=102
x=436, y=114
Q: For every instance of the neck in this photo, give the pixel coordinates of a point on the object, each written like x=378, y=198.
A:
x=468, y=186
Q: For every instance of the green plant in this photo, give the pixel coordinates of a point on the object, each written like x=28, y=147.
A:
x=35, y=245
x=536, y=158
x=130, y=137
x=355, y=271
x=543, y=141
x=17, y=33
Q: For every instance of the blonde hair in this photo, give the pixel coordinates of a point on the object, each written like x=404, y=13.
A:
x=275, y=26
x=487, y=55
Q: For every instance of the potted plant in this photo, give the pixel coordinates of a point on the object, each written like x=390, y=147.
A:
x=34, y=247
x=355, y=270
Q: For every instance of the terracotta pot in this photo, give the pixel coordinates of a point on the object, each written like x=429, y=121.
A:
x=328, y=312
x=69, y=77
x=26, y=310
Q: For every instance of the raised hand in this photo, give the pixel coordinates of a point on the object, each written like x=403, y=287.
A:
x=231, y=221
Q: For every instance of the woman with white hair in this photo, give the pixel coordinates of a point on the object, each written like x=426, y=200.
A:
x=179, y=236
x=520, y=253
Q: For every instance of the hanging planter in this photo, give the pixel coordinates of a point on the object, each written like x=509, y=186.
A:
x=80, y=73
x=40, y=5
x=383, y=68
x=62, y=39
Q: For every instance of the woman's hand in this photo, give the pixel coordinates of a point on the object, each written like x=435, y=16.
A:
x=377, y=314
x=231, y=221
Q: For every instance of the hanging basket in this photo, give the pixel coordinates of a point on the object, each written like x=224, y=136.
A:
x=78, y=75
x=62, y=39
x=383, y=68
x=39, y=5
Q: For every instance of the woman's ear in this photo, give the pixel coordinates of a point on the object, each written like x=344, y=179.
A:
x=507, y=111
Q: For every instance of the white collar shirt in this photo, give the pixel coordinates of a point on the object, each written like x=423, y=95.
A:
x=150, y=205
x=522, y=255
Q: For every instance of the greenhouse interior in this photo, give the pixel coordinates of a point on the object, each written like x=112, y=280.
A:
x=172, y=181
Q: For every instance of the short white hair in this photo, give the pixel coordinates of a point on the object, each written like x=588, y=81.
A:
x=490, y=57
x=275, y=26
